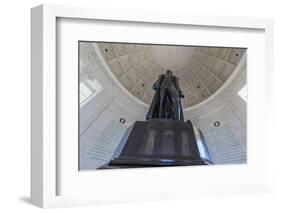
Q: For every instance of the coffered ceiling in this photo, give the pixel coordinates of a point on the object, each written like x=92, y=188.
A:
x=201, y=70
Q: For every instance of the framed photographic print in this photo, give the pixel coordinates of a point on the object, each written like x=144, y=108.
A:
x=130, y=106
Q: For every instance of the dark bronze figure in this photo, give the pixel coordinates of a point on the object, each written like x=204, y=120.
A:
x=166, y=102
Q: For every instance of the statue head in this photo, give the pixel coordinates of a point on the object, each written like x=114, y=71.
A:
x=169, y=73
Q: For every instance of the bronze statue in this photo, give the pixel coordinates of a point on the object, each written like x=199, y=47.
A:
x=164, y=139
x=166, y=102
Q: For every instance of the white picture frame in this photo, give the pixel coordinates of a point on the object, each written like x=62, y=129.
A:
x=44, y=149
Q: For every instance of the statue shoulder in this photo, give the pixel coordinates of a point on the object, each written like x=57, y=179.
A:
x=157, y=83
x=175, y=78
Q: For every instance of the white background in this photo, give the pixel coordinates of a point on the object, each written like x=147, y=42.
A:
x=15, y=104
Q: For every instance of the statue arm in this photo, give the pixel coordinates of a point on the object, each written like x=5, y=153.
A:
x=176, y=80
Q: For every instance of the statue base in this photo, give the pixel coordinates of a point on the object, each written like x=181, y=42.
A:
x=160, y=142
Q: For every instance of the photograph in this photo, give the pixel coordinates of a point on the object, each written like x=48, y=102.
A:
x=159, y=105
x=150, y=105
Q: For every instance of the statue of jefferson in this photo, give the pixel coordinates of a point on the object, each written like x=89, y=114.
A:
x=166, y=102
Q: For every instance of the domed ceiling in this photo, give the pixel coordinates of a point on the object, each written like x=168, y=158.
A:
x=201, y=70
